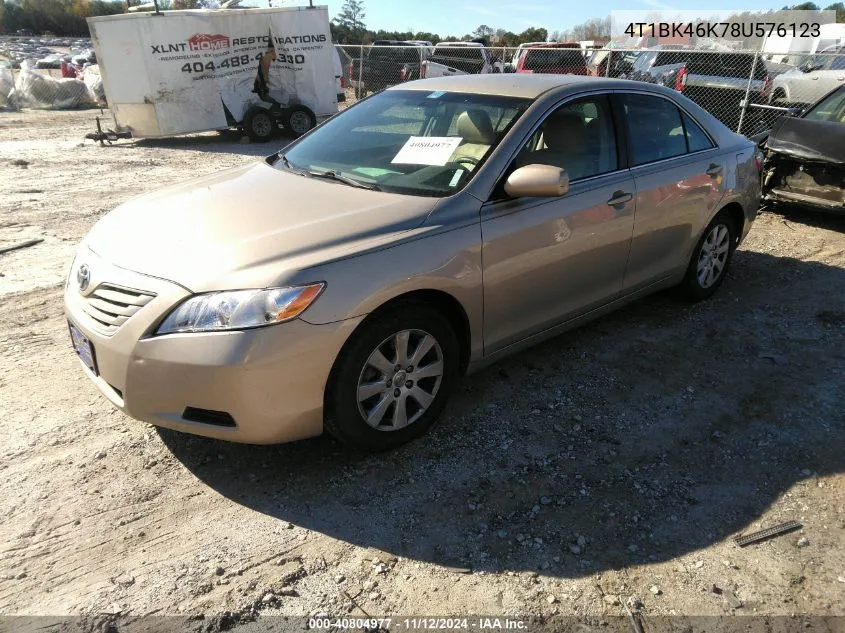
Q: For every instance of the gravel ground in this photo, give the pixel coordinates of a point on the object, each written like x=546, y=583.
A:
x=609, y=467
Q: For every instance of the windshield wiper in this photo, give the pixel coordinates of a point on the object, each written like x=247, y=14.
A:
x=333, y=175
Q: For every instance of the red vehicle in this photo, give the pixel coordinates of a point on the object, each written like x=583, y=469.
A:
x=556, y=58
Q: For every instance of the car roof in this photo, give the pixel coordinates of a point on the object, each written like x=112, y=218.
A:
x=528, y=86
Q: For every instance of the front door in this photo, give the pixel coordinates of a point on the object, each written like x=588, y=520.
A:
x=548, y=259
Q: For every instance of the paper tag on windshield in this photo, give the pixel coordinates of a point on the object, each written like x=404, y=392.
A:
x=427, y=150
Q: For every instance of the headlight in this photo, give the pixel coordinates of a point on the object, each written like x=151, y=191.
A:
x=238, y=309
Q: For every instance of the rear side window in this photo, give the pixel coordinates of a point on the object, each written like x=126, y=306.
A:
x=671, y=57
x=406, y=54
x=550, y=60
x=733, y=65
x=462, y=52
x=697, y=140
x=655, y=128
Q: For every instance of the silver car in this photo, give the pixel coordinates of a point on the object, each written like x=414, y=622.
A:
x=810, y=81
x=348, y=281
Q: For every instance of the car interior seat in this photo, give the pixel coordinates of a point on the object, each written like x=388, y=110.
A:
x=476, y=130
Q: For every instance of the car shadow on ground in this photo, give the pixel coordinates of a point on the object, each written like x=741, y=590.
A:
x=647, y=435
x=223, y=142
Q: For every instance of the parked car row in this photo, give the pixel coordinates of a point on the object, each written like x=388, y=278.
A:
x=43, y=51
x=723, y=82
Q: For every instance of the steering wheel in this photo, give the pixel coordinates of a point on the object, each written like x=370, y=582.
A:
x=471, y=160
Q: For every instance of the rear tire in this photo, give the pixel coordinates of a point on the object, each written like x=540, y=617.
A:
x=377, y=398
x=298, y=120
x=710, y=260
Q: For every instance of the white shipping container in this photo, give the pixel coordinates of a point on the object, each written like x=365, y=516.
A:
x=176, y=72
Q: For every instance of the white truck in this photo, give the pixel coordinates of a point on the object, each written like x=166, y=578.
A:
x=460, y=58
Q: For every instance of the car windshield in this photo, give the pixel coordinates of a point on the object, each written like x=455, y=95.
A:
x=831, y=108
x=407, y=141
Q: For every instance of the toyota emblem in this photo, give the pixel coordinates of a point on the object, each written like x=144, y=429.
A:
x=83, y=277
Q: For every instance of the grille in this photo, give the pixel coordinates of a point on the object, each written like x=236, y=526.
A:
x=111, y=306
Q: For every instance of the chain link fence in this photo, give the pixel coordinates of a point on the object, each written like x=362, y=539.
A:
x=746, y=90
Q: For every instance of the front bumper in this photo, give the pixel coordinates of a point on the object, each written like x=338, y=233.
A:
x=270, y=380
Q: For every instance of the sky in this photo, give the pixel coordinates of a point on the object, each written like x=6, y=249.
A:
x=451, y=17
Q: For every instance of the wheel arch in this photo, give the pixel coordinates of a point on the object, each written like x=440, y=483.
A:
x=737, y=215
x=440, y=300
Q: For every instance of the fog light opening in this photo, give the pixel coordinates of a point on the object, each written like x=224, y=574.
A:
x=207, y=416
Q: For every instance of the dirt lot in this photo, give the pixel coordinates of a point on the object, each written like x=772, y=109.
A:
x=612, y=465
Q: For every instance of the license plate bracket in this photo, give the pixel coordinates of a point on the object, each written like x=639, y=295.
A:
x=84, y=348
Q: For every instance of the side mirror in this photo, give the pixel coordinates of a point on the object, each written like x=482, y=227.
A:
x=540, y=181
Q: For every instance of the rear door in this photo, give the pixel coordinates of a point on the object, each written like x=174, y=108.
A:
x=679, y=175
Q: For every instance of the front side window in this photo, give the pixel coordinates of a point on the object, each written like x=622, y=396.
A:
x=408, y=141
x=578, y=137
x=655, y=128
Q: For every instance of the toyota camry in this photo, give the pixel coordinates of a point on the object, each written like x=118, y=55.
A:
x=347, y=282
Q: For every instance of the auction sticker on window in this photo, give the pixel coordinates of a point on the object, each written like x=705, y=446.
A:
x=427, y=150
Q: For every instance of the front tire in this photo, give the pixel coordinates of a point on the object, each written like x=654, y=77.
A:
x=259, y=125
x=393, y=378
x=710, y=260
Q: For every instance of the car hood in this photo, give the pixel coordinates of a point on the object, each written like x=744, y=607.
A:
x=251, y=226
x=808, y=140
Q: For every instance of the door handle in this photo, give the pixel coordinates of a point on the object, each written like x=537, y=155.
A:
x=619, y=198
x=714, y=170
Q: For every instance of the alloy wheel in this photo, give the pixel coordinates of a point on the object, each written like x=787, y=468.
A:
x=400, y=380
x=713, y=255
